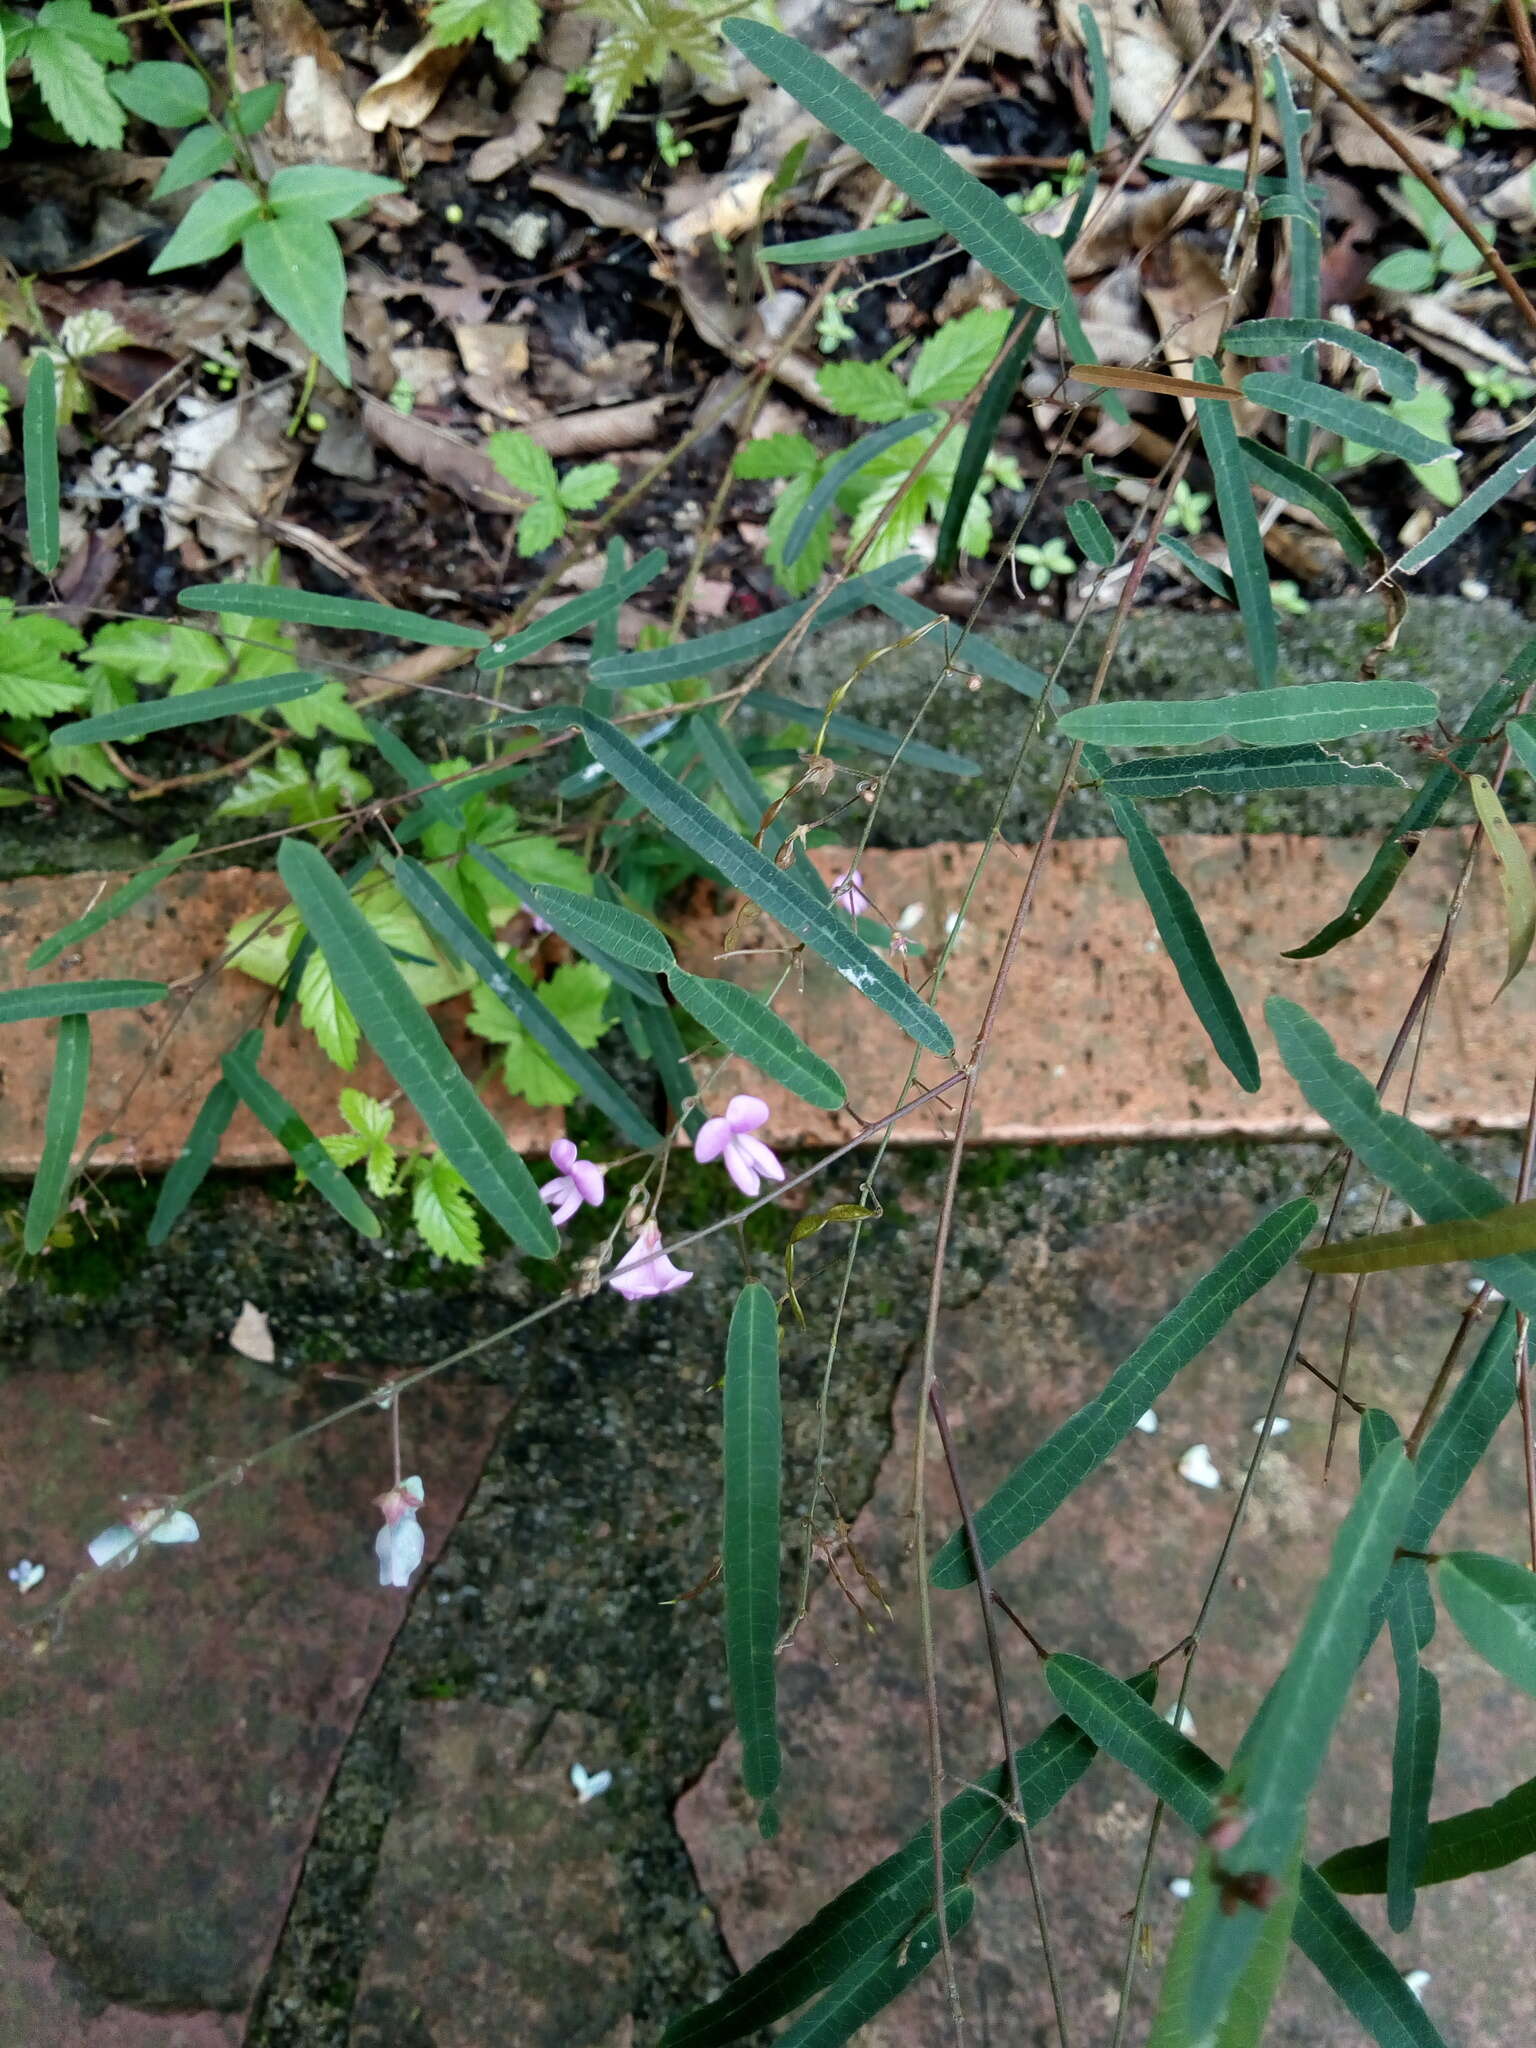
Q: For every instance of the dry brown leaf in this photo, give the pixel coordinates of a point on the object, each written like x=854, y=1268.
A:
x=1122, y=377
x=231, y=463
x=407, y=92
x=252, y=1335
x=498, y=350
x=1435, y=85
x=607, y=209
x=1362, y=148
x=535, y=106
x=430, y=374
x=1515, y=199
x=1460, y=340
x=468, y=472
x=1182, y=284
x=602, y=431
x=717, y=206
x=1008, y=28
x=332, y=558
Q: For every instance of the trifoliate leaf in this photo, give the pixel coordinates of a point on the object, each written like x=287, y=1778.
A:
x=576, y=994
x=37, y=677
x=776, y=455
x=368, y=1140
x=327, y=708
x=645, y=37
x=908, y=511
x=953, y=362
x=540, y=526
x=525, y=465
x=509, y=26
x=442, y=1211
x=587, y=484
x=148, y=652
x=260, y=647
x=865, y=391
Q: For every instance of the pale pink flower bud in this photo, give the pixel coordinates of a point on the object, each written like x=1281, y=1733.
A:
x=645, y=1269
x=144, y=1523
x=748, y=1160
x=400, y=1544
x=577, y=1181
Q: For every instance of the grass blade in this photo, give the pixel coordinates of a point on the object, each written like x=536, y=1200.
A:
x=896, y=234
x=1237, y=772
x=819, y=924
x=1493, y=1603
x=1417, y=1169
x=1297, y=485
x=432, y=903
x=225, y=700
x=753, y=1459
x=1461, y=1845
x=965, y=650
x=854, y=732
x=1515, y=878
x=406, y=1039
x=1399, y=374
x=1395, y=852
x=75, y=998
x=344, y=614
x=621, y=933
x=1305, y=711
x=578, y=614
x=878, y=1981
x=1456, y=522
x=40, y=464
x=840, y=469
x=1035, y=1489
x=749, y=1028
x=1239, y=525
x=192, y=1164
x=61, y=1125
x=1026, y=262
x=1336, y=412
x=1098, y=72
x=112, y=906
x=279, y=1116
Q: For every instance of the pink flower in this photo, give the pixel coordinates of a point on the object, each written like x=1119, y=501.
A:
x=848, y=893
x=577, y=1181
x=645, y=1268
x=400, y=1545
x=747, y=1159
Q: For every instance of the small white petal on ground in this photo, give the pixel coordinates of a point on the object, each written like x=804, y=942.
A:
x=1180, y=1718
x=1417, y=1982
x=589, y=1784
x=1277, y=1428
x=1147, y=1422
x=252, y=1335
x=1198, y=1467
x=1180, y=1887
x=24, y=1574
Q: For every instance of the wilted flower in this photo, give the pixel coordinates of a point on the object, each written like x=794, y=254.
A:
x=645, y=1268
x=400, y=1544
x=748, y=1160
x=120, y=1543
x=577, y=1181
x=848, y=893
x=24, y=1574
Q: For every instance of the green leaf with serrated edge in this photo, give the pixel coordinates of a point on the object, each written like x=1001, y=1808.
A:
x=1461, y=1845
x=878, y=1981
x=900, y=234
x=1504, y=1230
x=753, y=1457
x=745, y=1024
x=1336, y=412
x=574, y=616
x=1297, y=485
x=774, y=892
x=225, y=700
x=964, y=650
x=1390, y=859
x=345, y=614
x=1026, y=262
x=200, y=1148
x=738, y=645
x=1184, y=935
x=40, y=464
x=75, y=998
x=112, y=906
x=437, y=909
x=1456, y=522
x=1088, y=529
x=1098, y=72
x=957, y=355
x=838, y=471
x=1133, y=1733
x=405, y=1038
x=295, y=262
x=877, y=1909
x=1035, y=1489
x=1516, y=881
x=1399, y=374
x=854, y=732
x=61, y=1127
x=1303, y=711
x=1417, y=1169
x=1238, y=771
x=1253, y=1994
x=641, y=986
x=443, y=1213
x=1493, y=1603
x=621, y=933
x=1214, y=579
x=1239, y=528
x=278, y=1115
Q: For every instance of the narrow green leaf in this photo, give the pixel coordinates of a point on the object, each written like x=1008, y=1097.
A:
x=225, y=700
x=605, y=628
x=1399, y=374
x=1026, y=262
x=1515, y=877
x=838, y=471
x=1184, y=935
x=964, y=650
x=1098, y=72
x=1359, y=1973
x=1215, y=579
x=1304, y=711
x=40, y=464
x=1087, y=525
x=1238, y=771
x=1493, y=1603
x=432, y=903
x=1239, y=526
x=442, y=805
x=192, y=1164
x=277, y=1113
x=1461, y=1845
x=622, y=933
x=1297, y=485
x=1416, y=1740
x=896, y=234
x=405, y=1038
x=745, y=1024
x=345, y=614
x=1228, y=177
x=1253, y=1994
x=1395, y=852
x=734, y=778
x=1521, y=734
x=1417, y=1169
x=642, y=987
x=867, y=1989
x=738, y=645
x=1463, y=1430
x=1336, y=412
x=575, y=615
x=75, y=998
x=664, y=1049
x=110, y=907
x=61, y=1127
x=981, y=435
x=1508, y=1229
x=1034, y=1490
x=1461, y=517
x=817, y=923
x=854, y=732
x=1305, y=242
x=753, y=1460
